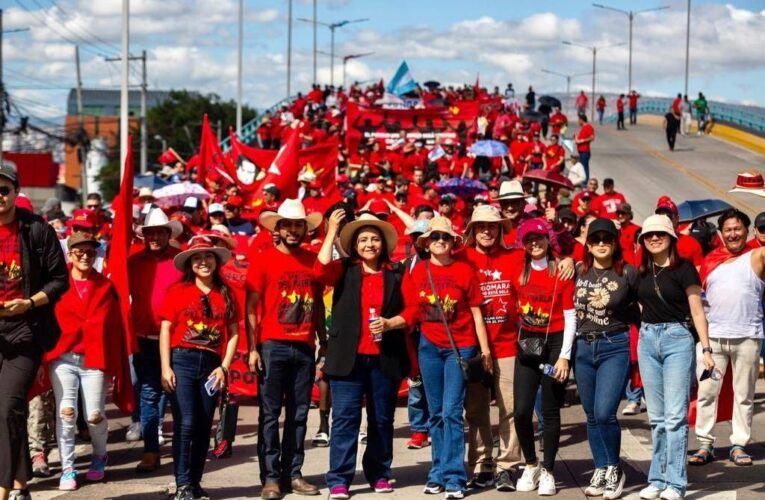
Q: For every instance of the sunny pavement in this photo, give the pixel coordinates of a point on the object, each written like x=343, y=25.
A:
x=638, y=160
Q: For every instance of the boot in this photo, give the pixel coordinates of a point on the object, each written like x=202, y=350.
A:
x=149, y=463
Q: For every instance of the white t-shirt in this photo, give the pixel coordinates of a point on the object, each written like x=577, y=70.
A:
x=734, y=294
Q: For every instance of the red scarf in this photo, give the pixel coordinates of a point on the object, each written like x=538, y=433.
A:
x=716, y=257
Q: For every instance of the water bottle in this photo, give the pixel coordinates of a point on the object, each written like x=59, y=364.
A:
x=716, y=375
x=377, y=337
x=547, y=369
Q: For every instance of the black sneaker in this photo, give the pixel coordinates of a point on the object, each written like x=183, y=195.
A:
x=615, y=479
x=504, y=481
x=433, y=489
x=199, y=493
x=481, y=480
x=597, y=483
x=183, y=492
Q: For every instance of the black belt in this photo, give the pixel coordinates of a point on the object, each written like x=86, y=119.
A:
x=591, y=337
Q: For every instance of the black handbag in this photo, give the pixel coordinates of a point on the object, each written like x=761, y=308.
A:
x=531, y=349
x=225, y=433
x=472, y=368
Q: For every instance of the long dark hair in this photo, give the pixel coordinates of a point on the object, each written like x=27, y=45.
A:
x=647, y=259
x=617, y=259
x=190, y=277
x=384, y=253
x=526, y=274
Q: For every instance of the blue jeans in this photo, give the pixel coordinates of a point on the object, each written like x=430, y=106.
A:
x=148, y=368
x=601, y=367
x=288, y=377
x=445, y=390
x=633, y=394
x=193, y=411
x=417, y=406
x=584, y=159
x=365, y=381
x=667, y=360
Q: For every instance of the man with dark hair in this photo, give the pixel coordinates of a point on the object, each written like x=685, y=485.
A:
x=583, y=140
x=607, y=203
x=733, y=278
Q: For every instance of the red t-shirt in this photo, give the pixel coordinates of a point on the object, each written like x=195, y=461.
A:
x=499, y=297
x=151, y=276
x=690, y=249
x=620, y=105
x=457, y=289
x=555, y=154
x=85, y=290
x=538, y=306
x=10, y=263
x=287, y=286
x=754, y=243
x=627, y=242
x=371, y=297
x=605, y=205
x=194, y=324
x=586, y=132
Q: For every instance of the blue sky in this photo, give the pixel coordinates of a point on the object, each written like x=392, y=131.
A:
x=192, y=44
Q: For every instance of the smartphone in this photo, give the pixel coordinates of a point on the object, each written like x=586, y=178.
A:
x=705, y=375
x=210, y=386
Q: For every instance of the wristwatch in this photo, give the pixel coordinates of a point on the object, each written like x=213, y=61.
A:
x=706, y=350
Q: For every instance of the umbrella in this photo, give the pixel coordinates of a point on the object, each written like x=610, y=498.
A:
x=691, y=210
x=461, y=187
x=488, y=148
x=532, y=116
x=174, y=195
x=150, y=181
x=432, y=84
x=549, y=178
x=550, y=101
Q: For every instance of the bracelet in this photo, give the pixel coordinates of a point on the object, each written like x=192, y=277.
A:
x=32, y=304
x=225, y=370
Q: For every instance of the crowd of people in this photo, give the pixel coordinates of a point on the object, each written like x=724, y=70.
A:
x=500, y=296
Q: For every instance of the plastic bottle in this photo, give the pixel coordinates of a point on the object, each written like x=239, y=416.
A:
x=716, y=375
x=377, y=337
x=547, y=369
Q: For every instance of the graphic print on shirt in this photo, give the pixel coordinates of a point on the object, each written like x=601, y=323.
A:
x=10, y=272
x=428, y=300
x=596, y=297
x=497, y=293
x=296, y=306
x=200, y=332
x=535, y=312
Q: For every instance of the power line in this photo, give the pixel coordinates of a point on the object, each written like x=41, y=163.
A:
x=104, y=42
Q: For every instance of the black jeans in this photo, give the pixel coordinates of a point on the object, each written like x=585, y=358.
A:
x=289, y=371
x=18, y=366
x=620, y=120
x=528, y=378
x=671, y=136
x=193, y=411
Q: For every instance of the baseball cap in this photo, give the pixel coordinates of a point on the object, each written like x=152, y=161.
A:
x=235, y=201
x=665, y=203
x=191, y=203
x=83, y=217
x=566, y=213
x=624, y=208
x=9, y=173
x=604, y=226
x=759, y=221
x=379, y=207
x=215, y=208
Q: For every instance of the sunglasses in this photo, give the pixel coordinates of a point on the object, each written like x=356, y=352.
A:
x=596, y=240
x=761, y=229
x=654, y=234
x=206, y=307
x=5, y=190
x=441, y=236
x=93, y=207
x=90, y=253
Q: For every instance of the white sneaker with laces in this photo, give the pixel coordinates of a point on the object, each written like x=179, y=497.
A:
x=133, y=432
x=529, y=480
x=650, y=492
x=615, y=480
x=546, y=484
x=670, y=494
x=597, y=483
x=631, y=408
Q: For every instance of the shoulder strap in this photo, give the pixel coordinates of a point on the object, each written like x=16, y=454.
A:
x=441, y=311
x=657, y=289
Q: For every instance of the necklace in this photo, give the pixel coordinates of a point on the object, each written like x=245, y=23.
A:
x=656, y=275
x=599, y=275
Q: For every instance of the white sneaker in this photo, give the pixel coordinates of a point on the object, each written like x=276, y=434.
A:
x=160, y=437
x=615, y=479
x=529, y=480
x=597, y=483
x=631, y=409
x=546, y=483
x=671, y=494
x=454, y=494
x=133, y=432
x=650, y=492
x=362, y=437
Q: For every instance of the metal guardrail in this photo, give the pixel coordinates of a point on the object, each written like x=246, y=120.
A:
x=250, y=129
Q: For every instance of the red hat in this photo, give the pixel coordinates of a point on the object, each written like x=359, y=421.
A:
x=84, y=217
x=493, y=184
x=431, y=185
x=444, y=169
x=23, y=201
x=314, y=185
x=748, y=182
x=666, y=203
x=586, y=195
x=234, y=201
x=343, y=179
x=533, y=226
x=378, y=206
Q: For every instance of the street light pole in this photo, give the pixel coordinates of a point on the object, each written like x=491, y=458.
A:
x=332, y=27
x=687, y=45
x=568, y=83
x=239, y=71
x=353, y=56
x=289, y=46
x=594, y=49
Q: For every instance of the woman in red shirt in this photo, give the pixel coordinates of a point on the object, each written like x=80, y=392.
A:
x=89, y=352
x=546, y=312
x=366, y=353
x=456, y=287
x=198, y=338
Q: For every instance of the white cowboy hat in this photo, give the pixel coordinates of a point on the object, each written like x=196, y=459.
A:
x=366, y=219
x=146, y=192
x=157, y=218
x=511, y=190
x=199, y=244
x=291, y=209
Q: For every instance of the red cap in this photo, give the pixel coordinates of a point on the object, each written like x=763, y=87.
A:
x=378, y=206
x=83, y=217
x=666, y=203
x=343, y=179
x=235, y=201
x=314, y=185
x=444, y=169
x=23, y=201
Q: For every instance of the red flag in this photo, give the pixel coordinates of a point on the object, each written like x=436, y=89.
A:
x=117, y=267
x=170, y=157
x=212, y=161
x=284, y=169
x=247, y=165
x=724, y=400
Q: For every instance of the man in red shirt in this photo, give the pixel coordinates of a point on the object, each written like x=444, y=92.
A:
x=607, y=203
x=633, y=98
x=282, y=286
x=687, y=246
x=558, y=121
x=620, y=113
x=627, y=232
x=555, y=155
x=583, y=139
x=759, y=232
x=152, y=273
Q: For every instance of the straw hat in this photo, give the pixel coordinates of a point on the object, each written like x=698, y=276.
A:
x=749, y=182
x=200, y=244
x=658, y=223
x=146, y=192
x=484, y=213
x=366, y=219
x=221, y=232
x=291, y=209
x=438, y=224
x=157, y=218
x=511, y=190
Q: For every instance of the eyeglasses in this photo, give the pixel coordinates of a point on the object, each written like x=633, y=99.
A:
x=441, y=236
x=79, y=254
x=93, y=207
x=231, y=208
x=206, y=307
x=5, y=190
x=654, y=234
x=605, y=239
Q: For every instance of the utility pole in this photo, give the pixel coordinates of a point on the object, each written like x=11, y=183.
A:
x=314, y=43
x=124, y=124
x=332, y=27
x=239, y=71
x=289, y=46
x=594, y=49
x=144, y=115
x=2, y=85
x=83, y=156
x=687, y=45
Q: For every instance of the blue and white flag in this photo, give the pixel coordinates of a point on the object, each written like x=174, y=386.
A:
x=402, y=82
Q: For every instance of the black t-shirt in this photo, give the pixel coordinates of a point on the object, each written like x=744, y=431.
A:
x=672, y=283
x=672, y=122
x=604, y=300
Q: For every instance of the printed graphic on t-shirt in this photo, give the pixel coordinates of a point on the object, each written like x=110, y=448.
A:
x=202, y=332
x=593, y=298
x=497, y=294
x=10, y=265
x=428, y=300
x=296, y=306
x=534, y=317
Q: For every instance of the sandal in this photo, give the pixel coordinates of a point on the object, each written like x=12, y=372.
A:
x=741, y=459
x=702, y=457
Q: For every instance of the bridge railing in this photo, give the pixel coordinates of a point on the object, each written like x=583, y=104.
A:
x=250, y=129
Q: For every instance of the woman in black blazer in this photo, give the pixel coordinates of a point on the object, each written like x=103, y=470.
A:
x=366, y=348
